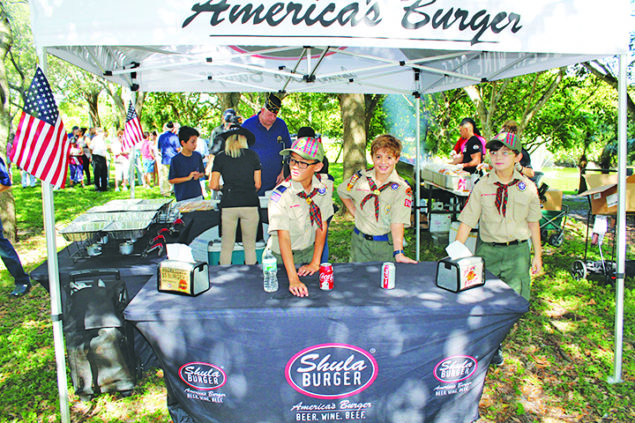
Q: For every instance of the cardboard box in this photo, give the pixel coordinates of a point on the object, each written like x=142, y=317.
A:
x=554, y=200
x=440, y=222
x=604, y=197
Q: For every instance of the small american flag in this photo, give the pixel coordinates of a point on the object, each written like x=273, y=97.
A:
x=132, y=132
x=40, y=146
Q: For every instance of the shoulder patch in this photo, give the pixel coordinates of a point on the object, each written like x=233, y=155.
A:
x=277, y=193
x=354, y=178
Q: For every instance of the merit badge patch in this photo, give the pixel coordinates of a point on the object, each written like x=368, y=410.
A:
x=394, y=186
x=522, y=186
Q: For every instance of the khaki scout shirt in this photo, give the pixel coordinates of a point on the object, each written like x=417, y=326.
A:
x=523, y=206
x=289, y=212
x=395, y=202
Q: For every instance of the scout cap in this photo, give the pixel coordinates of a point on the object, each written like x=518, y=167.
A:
x=308, y=148
x=509, y=140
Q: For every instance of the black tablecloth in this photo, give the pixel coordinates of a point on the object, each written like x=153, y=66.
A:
x=357, y=353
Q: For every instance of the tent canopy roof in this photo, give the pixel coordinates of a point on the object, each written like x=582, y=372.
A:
x=303, y=45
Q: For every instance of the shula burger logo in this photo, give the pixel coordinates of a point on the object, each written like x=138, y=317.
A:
x=455, y=368
x=331, y=371
x=203, y=376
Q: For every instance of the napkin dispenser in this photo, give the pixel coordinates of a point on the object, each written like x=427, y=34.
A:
x=460, y=274
x=182, y=277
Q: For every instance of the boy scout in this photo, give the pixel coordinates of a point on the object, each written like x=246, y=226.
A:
x=298, y=210
x=506, y=207
x=380, y=201
x=505, y=204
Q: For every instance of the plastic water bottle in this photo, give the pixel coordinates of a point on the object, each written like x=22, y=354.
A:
x=269, y=270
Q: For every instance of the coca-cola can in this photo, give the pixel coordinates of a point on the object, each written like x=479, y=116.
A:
x=388, y=275
x=326, y=276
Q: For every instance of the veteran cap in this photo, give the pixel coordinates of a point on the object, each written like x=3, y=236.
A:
x=273, y=103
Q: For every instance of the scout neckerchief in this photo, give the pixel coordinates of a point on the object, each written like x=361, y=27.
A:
x=314, y=210
x=374, y=194
x=501, y=196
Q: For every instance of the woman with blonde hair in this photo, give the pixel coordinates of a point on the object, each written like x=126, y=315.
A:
x=240, y=169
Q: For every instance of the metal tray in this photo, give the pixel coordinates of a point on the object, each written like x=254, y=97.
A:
x=130, y=205
x=120, y=216
x=84, y=231
x=129, y=230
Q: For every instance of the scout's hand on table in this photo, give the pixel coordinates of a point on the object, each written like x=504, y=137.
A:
x=298, y=289
x=308, y=269
x=536, y=265
x=402, y=258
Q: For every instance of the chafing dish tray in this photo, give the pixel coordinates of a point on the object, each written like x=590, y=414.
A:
x=117, y=216
x=131, y=205
x=84, y=231
x=131, y=229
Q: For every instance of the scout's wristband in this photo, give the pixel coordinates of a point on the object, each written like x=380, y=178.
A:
x=397, y=252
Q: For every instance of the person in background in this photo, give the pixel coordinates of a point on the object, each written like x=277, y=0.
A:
x=157, y=155
x=240, y=169
x=201, y=148
x=75, y=165
x=169, y=146
x=8, y=254
x=524, y=165
x=83, y=141
x=122, y=161
x=217, y=143
x=506, y=207
x=99, y=154
x=186, y=168
x=380, y=201
x=148, y=159
x=469, y=149
x=298, y=211
x=272, y=136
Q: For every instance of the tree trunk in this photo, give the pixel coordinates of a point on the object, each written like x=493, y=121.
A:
x=354, y=134
x=229, y=101
x=93, y=111
x=7, y=202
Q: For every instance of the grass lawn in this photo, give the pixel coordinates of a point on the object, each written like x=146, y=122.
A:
x=557, y=358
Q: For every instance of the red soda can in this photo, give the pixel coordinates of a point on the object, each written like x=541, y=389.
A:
x=388, y=275
x=326, y=276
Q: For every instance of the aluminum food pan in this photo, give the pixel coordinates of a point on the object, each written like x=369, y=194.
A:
x=131, y=205
x=131, y=229
x=84, y=231
x=121, y=216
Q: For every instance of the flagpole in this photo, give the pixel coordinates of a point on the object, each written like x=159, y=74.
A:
x=54, y=286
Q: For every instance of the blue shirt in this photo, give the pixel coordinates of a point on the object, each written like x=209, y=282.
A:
x=4, y=174
x=182, y=166
x=168, y=146
x=268, y=148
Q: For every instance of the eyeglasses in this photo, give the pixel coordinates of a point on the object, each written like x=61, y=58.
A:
x=504, y=153
x=301, y=165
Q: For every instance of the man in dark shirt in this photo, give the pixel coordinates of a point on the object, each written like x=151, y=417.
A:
x=187, y=167
x=272, y=136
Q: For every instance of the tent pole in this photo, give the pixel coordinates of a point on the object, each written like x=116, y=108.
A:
x=54, y=285
x=417, y=177
x=621, y=223
x=132, y=161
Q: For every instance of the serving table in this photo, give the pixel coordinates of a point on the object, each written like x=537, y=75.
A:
x=357, y=353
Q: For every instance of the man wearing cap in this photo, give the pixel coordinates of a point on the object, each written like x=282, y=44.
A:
x=272, y=136
x=169, y=146
x=217, y=143
x=506, y=207
x=298, y=211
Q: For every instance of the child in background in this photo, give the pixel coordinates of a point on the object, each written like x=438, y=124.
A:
x=380, y=201
x=76, y=166
x=298, y=211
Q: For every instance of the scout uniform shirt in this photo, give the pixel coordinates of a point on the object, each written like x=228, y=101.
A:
x=289, y=212
x=394, y=202
x=523, y=206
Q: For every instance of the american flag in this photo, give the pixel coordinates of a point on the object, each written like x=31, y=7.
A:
x=40, y=146
x=132, y=132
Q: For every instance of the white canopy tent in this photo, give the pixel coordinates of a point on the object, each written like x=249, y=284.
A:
x=381, y=46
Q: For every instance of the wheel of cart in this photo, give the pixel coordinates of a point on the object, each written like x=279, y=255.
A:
x=552, y=226
x=578, y=270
